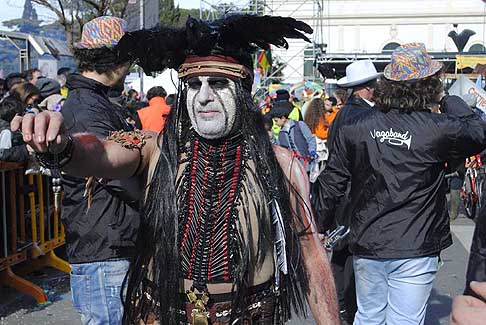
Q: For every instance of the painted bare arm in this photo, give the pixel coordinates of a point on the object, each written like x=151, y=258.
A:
x=321, y=296
x=91, y=156
x=467, y=310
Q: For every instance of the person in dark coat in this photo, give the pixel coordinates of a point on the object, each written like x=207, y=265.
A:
x=101, y=217
x=12, y=148
x=394, y=156
x=476, y=269
x=12, y=81
x=361, y=78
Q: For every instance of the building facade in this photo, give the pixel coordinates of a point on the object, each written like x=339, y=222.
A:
x=346, y=30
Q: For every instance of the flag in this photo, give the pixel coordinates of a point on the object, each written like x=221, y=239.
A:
x=265, y=61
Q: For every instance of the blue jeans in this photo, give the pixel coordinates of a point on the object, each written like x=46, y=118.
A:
x=393, y=291
x=96, y=290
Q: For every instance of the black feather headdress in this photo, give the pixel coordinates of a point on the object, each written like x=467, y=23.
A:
x=237, y=37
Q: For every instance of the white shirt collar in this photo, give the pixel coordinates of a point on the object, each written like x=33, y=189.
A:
x=369, y=102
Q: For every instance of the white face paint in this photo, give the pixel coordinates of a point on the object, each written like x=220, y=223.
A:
x=211, y=104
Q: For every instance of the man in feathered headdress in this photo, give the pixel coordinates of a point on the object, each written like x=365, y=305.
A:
x=226, y=233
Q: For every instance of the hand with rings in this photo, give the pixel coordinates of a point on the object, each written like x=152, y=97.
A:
x=42, y=132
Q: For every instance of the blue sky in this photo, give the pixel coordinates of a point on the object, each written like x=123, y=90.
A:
x=13, y=9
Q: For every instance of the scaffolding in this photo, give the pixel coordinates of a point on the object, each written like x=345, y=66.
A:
x=215, y=9
x=302, y=55
x=299, y=63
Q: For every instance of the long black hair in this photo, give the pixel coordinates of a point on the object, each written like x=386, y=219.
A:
x=157, y=245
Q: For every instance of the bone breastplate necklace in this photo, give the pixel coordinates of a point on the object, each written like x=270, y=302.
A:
x=208, y=199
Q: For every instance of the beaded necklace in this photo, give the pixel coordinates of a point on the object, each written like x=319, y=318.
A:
x=208, y=196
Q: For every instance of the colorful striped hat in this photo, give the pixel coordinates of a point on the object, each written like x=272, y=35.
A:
x=411, y=62
x=101, y=32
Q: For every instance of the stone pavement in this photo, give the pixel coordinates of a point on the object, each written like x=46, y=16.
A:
x=451, y=278
x=18, y=309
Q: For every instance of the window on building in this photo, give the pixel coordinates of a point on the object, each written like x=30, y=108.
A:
x=390, y=47
x=477, y=48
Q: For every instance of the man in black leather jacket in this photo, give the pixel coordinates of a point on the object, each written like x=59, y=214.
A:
x=101, y=217
x=361, y=78
x=394, y=156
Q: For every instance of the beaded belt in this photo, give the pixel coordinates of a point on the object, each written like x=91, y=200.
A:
x=260, y=303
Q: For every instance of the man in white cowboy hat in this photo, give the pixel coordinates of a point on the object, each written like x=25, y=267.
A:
x=394, y=157
x=361, y=78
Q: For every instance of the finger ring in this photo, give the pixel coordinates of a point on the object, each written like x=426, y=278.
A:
x=30, y=111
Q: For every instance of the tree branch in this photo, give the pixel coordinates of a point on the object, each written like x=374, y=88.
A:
x=62, y=9
x=92, y=4
x=123, y=11
x=104, y=7
x=48, y=5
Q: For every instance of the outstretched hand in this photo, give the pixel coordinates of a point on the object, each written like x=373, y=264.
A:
x=470, y=310
x=42, y=132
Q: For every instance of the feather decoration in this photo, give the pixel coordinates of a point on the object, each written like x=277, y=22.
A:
x=237, y=36
x=242, y=30
x=280, y=243
x=155, y=49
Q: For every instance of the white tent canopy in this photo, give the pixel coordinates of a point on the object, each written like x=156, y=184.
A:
x=167, y=79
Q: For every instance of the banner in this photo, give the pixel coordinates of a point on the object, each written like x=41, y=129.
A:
x=465, y=61
x=265, y=61
x=306, y=90
x=467, y=90
x=272, y=89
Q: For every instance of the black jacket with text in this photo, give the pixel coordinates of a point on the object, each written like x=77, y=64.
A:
x=395, y=162
x=107, y=229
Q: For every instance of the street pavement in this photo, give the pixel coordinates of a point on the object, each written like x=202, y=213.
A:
x=18, y=309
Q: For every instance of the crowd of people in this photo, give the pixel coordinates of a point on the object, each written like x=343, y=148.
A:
x=30, y=90
x=202, y=208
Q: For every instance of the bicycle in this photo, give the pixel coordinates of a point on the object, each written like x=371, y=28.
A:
x=471, y=191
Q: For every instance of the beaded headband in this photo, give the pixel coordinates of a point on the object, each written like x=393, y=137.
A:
x=214, y=67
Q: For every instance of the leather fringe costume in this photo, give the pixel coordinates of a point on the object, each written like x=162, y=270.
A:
x=206, y=195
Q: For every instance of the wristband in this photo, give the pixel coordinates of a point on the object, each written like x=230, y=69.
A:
x=55, y=161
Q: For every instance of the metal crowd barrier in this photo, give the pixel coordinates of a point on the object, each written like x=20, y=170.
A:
x=30, y=229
